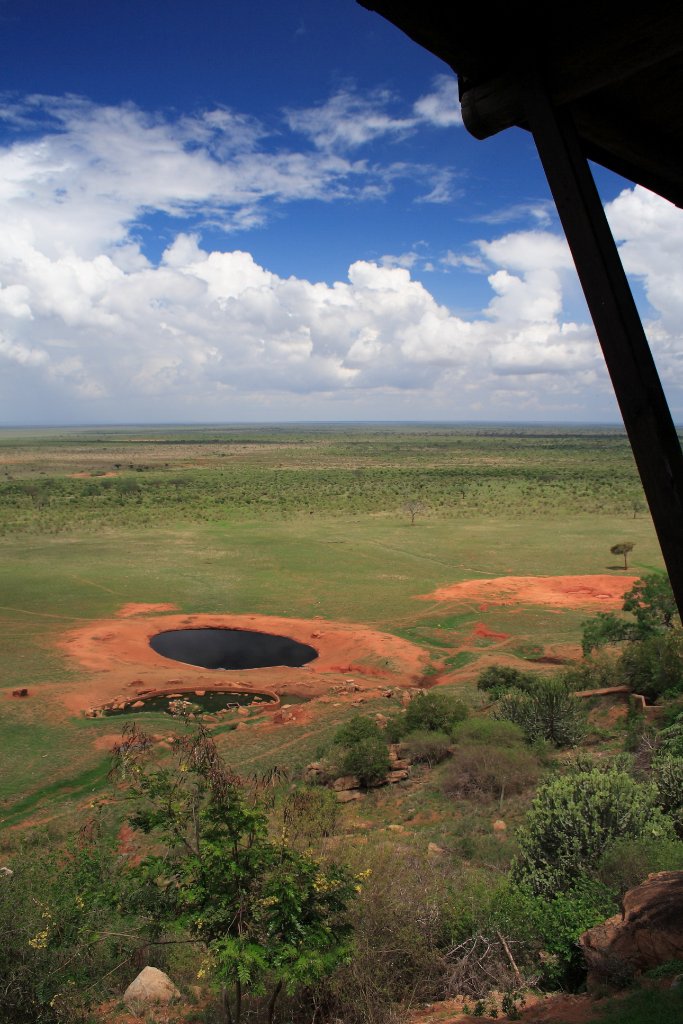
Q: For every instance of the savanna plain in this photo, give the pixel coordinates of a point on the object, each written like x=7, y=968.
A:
x=444, y=575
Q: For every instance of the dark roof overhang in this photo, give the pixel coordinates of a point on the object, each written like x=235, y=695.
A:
x=619, y=73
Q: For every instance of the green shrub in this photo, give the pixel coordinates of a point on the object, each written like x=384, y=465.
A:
x=594, y=673
x=643, y=1007
x=428, y=747
x=670, y=739
x=667, y=775
x=54, y=956
x=490, y=731
x=669, y=969
x=368, y=759
x=265, y=915
x=308, y=814
x=358, y=728
x=395, y=729
x=627, y=862
x=654, y=666
x=541, y=932
x=556, y=922
x=478, y=771
x=548, y=712
x=603, y=629
x=401, y=933
x=572, y=821
x=498, y=679
x=436, y=711
x=651, y=603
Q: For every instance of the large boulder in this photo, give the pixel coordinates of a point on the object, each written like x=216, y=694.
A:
x=151, y=988
x=346, y=782
x=649, y=932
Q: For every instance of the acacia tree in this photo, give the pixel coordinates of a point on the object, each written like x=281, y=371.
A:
x=268, y=917
x=638, y=506
x=623, y=548
x=414, y=507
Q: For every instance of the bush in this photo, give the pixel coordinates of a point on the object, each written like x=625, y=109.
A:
x=604, y=628
x=548, y=712
x=595, y=673
x=490, y=731
x=428, y=747
x=498, y=679
x=479, y=771
x=540, y=932
x=642, y=1007
x=395, y=729
x=670, y=739
x=308, y=814
x=651, y=603
x=435, y=711
x=55, y=956
x=368, y=759
x=627, y=862
x=574, y=818
x=401, y=932
x=667, y=775
x=654, y=666
x=556, y=922
x=358, y=728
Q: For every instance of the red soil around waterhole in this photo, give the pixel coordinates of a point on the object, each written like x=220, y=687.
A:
x=117, y=660
x=605, y=592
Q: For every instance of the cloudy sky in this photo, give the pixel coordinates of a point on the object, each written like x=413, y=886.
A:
x=253, y=210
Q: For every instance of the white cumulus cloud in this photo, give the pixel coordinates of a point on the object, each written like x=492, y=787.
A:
x=92, y=328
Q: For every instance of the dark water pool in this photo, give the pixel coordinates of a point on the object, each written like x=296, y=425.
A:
x=231, y=648
x=207, y=704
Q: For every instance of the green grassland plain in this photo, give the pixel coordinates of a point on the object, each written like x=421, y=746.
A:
x=288, y=521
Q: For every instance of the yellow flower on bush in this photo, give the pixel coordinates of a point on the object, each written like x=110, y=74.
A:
x=39, y=941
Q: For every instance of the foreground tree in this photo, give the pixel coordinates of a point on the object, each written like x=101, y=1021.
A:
x=268, y=917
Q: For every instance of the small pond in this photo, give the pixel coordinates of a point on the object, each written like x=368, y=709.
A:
x=231, y=648
x=177, y=704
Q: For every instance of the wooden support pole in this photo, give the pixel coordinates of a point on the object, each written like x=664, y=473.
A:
x=646, y=415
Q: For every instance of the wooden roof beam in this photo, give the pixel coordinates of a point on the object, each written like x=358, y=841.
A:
x=638, y=390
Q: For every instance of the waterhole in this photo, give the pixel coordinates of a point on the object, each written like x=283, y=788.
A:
x=231, y=649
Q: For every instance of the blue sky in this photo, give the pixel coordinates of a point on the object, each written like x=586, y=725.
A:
x=256, y=211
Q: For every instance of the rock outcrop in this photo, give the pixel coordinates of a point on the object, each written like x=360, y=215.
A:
x=649, y=932
x=151, y=988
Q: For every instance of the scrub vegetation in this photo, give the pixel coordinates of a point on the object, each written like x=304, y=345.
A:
x=527, y=811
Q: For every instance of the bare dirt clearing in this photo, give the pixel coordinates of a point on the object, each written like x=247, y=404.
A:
x=558, y=591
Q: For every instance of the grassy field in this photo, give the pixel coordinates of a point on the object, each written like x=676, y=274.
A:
x=297, y=522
